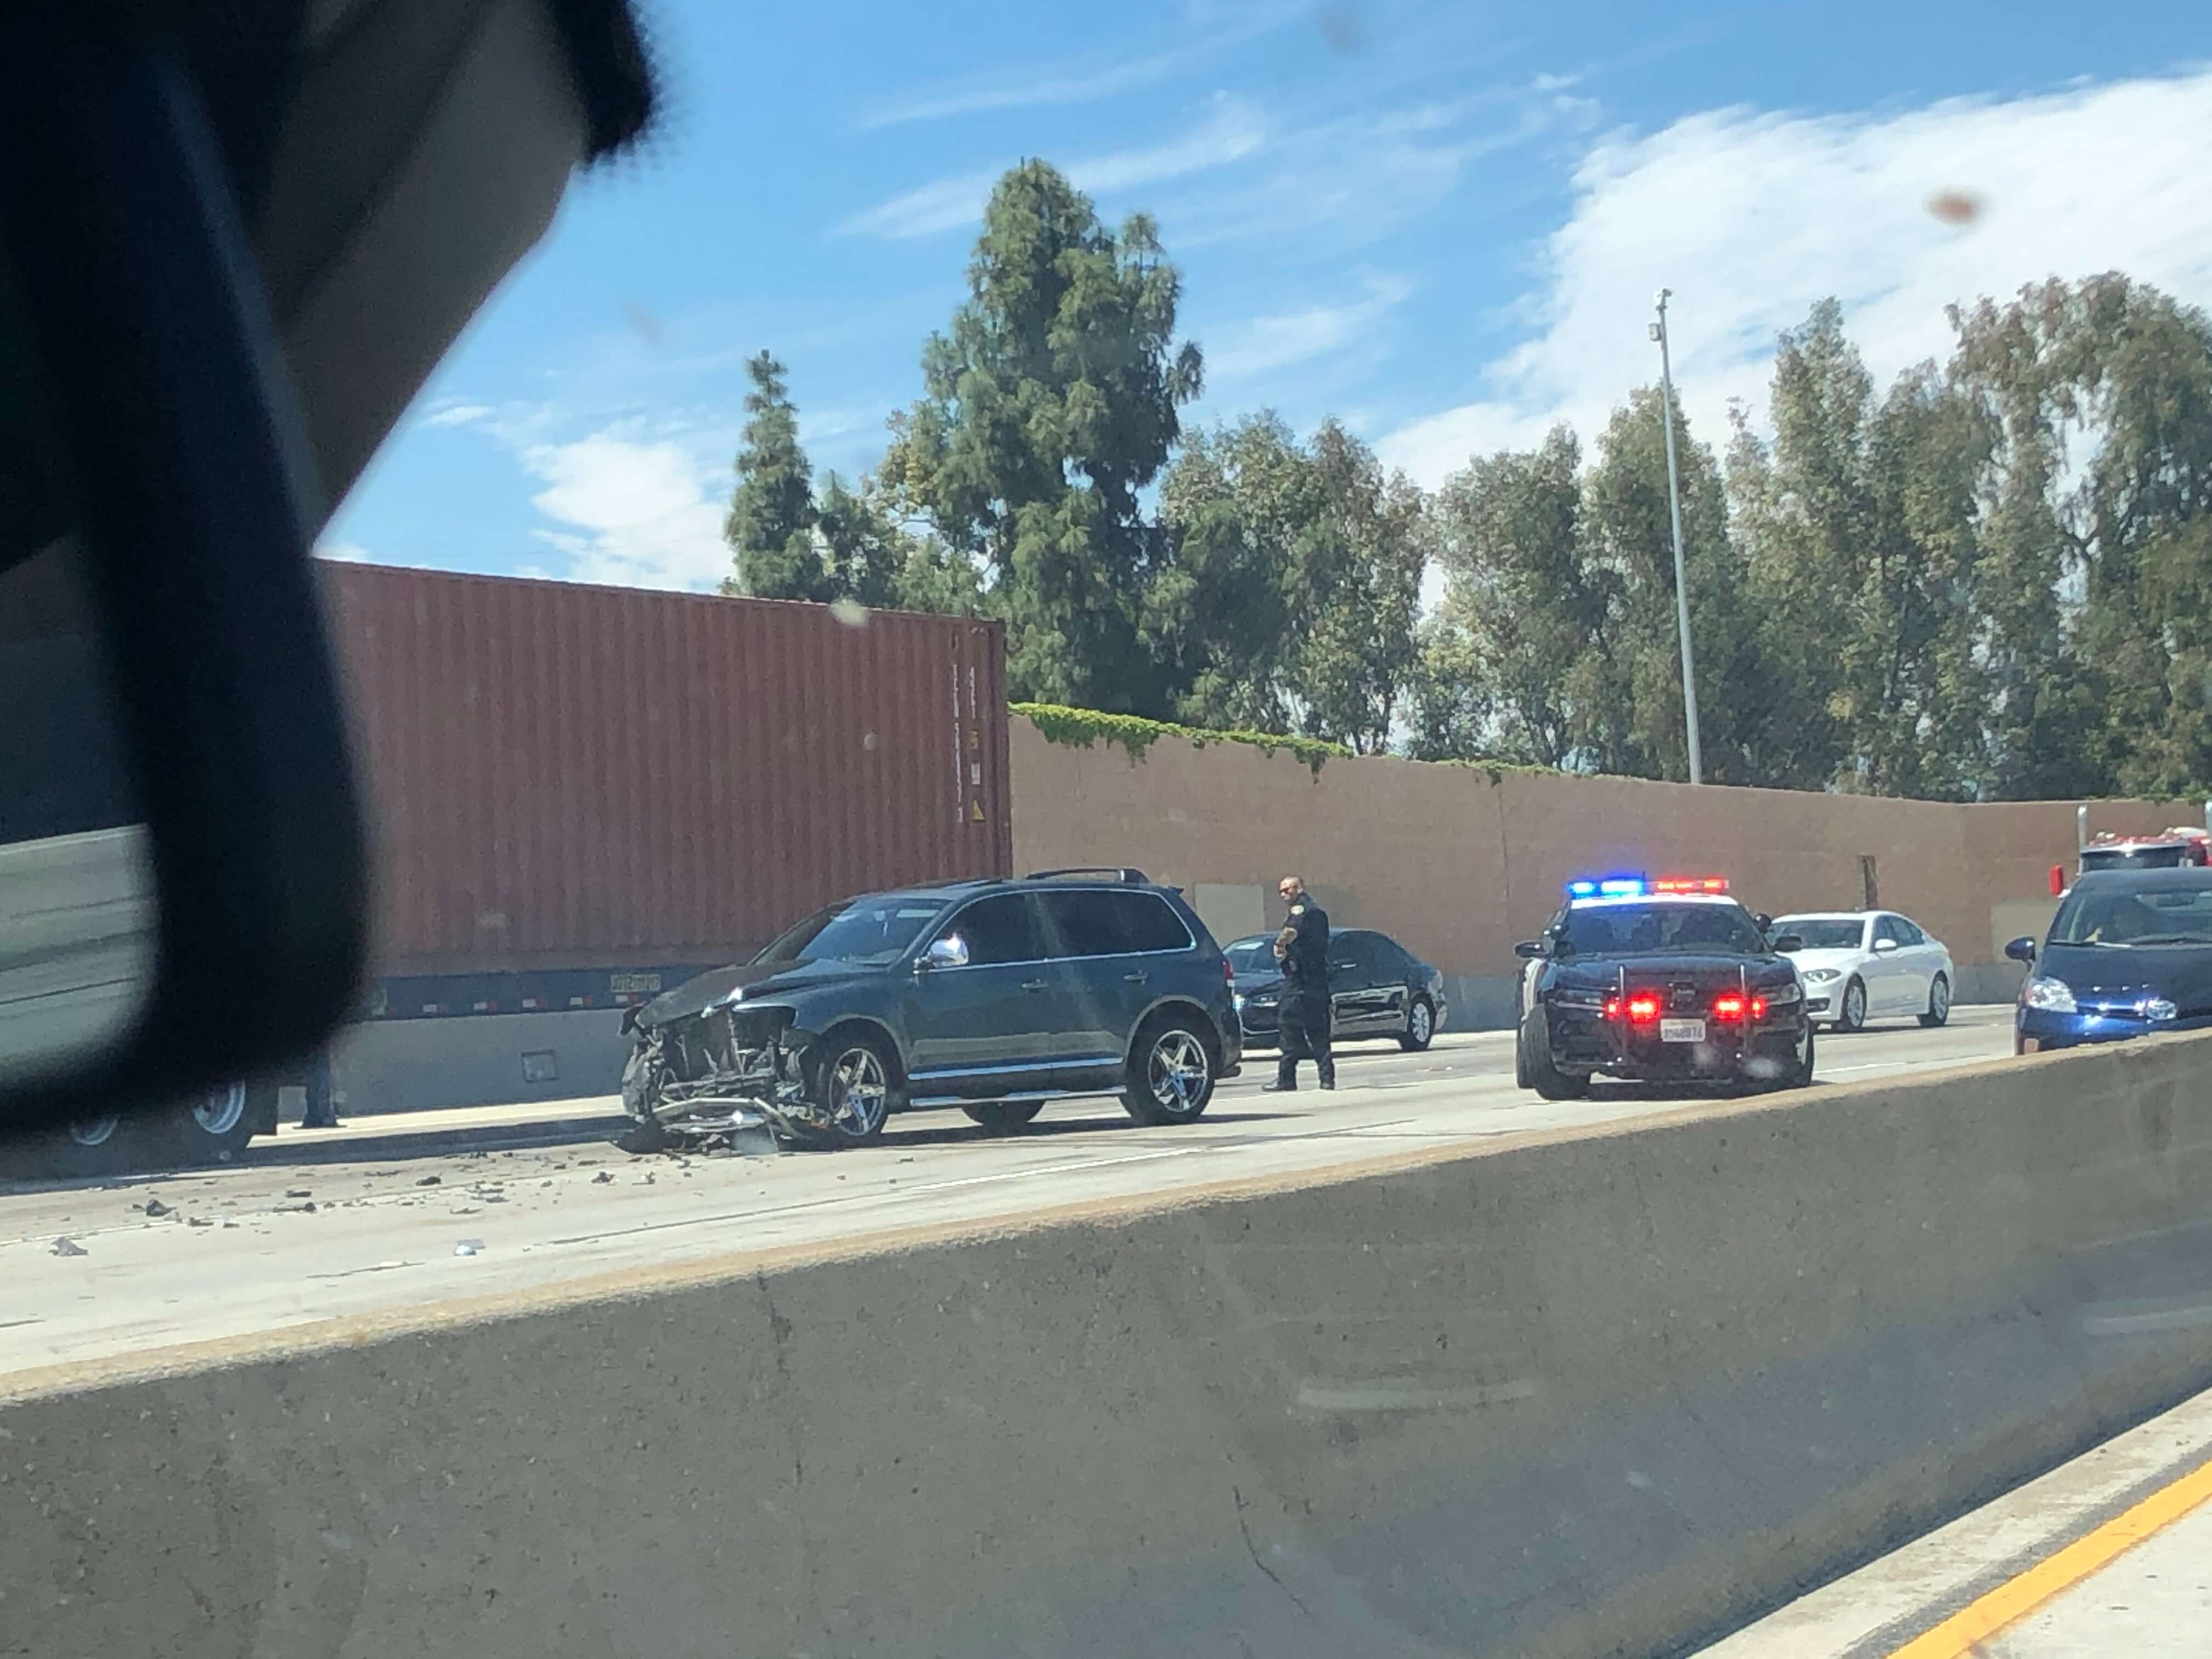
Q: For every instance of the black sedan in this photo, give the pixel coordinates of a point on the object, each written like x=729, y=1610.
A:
x=1377, y=988
x=1660, y=986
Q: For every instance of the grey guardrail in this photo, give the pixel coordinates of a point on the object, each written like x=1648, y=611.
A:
x=1614, y=1393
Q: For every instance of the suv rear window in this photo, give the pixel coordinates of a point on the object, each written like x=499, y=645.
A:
x=1088, y=922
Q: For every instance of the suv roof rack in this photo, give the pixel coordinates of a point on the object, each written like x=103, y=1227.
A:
x=1110, y=872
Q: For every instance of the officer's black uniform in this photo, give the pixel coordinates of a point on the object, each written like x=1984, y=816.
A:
x=1305, y=1010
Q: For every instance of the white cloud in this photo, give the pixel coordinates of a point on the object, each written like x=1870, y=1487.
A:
x=636, y=511
x=1233, y=130
x=1267, y=343
x=1357, y=179
x=346, y=552
x=1753, y=216
x=458, y=414
x=1040, y=86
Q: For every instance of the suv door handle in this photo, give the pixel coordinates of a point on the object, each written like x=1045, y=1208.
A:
x=1035, y=984
x=1137, y=978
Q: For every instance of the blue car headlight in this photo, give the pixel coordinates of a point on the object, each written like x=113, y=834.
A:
x=2049, y=996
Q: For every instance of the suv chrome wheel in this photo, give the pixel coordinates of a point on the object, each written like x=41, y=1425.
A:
x=1172, y=1077
x=860, y=1094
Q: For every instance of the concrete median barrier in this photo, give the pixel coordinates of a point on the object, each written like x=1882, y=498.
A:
x=1612, y=1392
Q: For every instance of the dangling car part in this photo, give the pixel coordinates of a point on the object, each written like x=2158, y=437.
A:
x=742, y=1075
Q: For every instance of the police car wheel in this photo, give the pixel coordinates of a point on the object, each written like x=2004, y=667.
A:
x=1421, y=1026
x=1801, y=1073
x=1549, y=1082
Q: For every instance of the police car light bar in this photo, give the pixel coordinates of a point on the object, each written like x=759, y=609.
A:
x=1690, y=884
x=1608, y=887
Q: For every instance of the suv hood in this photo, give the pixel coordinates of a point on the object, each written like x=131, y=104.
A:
x=2106, y=978
x=755, y=979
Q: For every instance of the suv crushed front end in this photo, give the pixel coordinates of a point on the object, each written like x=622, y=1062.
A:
x=727, y=1072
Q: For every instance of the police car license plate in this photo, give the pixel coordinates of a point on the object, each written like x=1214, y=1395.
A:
x=1682, y=1030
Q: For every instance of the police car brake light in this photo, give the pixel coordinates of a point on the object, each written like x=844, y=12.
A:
x=1690, y=884
x=1608, y=887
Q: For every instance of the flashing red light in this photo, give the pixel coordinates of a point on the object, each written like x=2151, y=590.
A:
x=1758, y=1007
x=1690, y=884
x=1612, y=1008
x=1644, y=1010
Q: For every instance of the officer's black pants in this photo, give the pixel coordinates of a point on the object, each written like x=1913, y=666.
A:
x=1305, y=1037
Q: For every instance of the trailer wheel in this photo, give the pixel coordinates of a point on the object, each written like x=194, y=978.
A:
x=215, y=1127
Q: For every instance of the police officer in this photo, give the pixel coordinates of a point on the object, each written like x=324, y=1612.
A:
x=1303, y=949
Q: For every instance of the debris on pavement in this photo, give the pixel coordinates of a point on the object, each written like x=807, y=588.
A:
x=69, y=1247
x=469, y=1247
x=153, y=1206
x=430, y=1181
x=602, y=1178
x=198, y=1221
x=299, y=1192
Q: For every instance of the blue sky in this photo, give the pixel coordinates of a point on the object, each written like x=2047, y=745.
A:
x=1442, y=222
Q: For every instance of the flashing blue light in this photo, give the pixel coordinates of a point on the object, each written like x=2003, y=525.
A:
x=1609, y=887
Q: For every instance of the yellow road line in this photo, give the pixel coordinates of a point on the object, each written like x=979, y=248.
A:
x=2018, y=1597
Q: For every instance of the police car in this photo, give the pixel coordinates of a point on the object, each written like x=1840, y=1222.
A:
x=1667, y=981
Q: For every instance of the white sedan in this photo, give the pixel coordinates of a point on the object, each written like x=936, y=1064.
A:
x=1859, y=965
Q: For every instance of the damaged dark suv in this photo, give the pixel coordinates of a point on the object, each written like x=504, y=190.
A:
x=994, y=996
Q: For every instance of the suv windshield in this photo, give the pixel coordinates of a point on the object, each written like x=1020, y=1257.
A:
x=872, y=932
x=1628, y=930
x=2160, y=915
x=1824, y=933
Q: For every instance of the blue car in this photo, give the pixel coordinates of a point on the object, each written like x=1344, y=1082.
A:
x=2129, y=953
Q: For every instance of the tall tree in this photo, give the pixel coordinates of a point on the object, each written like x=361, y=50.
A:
x=770, y=523
x=1355, y=593
x=1049, y=405
x=1630, y=536
x=1525, y=611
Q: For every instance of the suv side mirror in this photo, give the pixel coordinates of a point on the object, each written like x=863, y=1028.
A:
x=1786, y=943
x=951, y=951
x=1531, y=950
x=2022, y=949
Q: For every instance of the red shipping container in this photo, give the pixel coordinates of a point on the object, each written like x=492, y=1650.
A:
x=566, y=777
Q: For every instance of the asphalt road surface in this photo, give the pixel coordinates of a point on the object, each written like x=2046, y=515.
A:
x=123, y=1270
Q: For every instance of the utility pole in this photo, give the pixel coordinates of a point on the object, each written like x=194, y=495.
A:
x=1674, y=509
